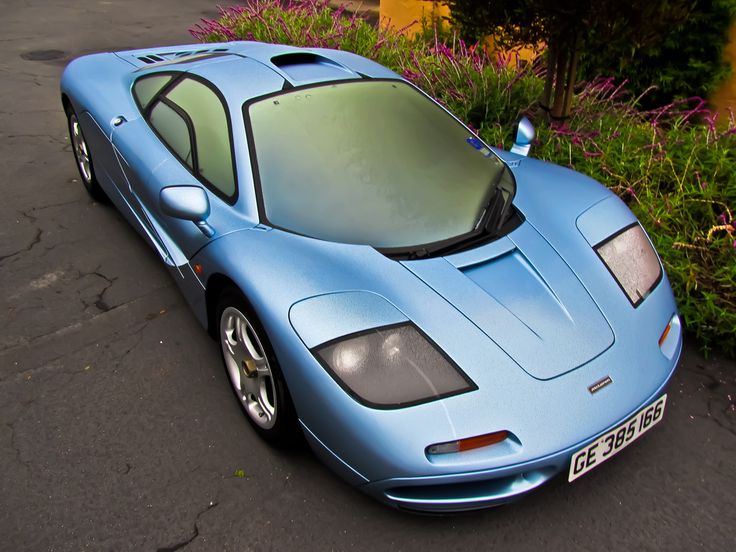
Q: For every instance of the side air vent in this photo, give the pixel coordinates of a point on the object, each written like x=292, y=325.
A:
x=181, y=55
x=151, y=58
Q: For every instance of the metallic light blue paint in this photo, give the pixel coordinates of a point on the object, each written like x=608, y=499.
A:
x=185, y=202
x=533, y=318
x=524, y=136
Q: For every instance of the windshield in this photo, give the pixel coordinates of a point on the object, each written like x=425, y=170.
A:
x=370, y=162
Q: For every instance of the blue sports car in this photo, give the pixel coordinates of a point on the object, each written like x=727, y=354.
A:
x=448, y=324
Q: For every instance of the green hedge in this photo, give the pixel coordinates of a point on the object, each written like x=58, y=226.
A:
x=675, y=167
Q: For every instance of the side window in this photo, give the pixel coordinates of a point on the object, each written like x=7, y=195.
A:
x=146, y=88
x=213, y=158
x=173, y=130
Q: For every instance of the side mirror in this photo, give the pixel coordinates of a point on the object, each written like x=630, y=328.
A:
x=187, y=203
x=524, y=136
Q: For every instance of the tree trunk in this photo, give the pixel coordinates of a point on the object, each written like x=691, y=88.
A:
x=550, y=77
x=571, y=76
x=563, y=50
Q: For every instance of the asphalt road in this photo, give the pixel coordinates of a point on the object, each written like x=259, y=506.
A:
x=118, y=430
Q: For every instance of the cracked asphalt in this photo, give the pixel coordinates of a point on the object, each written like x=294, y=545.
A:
x=118, y=430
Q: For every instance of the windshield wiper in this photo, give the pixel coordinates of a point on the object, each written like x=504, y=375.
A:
x=494, y=213
x=455, y=245
x=447, y=247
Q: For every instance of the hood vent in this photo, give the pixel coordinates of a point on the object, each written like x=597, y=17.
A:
x=526, y=299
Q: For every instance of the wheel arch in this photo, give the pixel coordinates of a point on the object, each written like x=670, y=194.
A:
x=65, y=102
x=216, y=283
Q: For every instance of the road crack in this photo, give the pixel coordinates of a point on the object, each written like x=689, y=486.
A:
x=718, y=422
x=139, y=334
x=717, y=394
x=99, y=300
x=35, y=241
x=100, y=303
x=47, y=206
x=195, y=534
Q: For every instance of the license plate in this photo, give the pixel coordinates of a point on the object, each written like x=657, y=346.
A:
x=616, y=440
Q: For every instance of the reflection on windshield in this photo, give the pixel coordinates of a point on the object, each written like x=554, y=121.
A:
x=369, y=162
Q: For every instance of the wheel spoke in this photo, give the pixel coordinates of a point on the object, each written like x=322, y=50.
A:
x=229, y=342
x=262, y=369
x=264, y=400
x=241, y=352
x=265, y=410
x=254, y=350
x=238, y=333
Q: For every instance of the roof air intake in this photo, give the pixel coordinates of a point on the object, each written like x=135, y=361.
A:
x=302, y=67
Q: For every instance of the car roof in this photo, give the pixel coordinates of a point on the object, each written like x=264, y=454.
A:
x=243, y=70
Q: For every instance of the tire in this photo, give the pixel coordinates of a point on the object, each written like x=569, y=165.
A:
x=254, y=372
x=83, y=156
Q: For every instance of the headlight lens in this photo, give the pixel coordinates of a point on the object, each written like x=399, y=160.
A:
x=392, y=367
x=632, y=261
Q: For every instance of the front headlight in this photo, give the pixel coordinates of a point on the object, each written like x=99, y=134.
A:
x=392, y=367
x=632, y=261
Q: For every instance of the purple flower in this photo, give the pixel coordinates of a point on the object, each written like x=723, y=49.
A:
x=702, y=183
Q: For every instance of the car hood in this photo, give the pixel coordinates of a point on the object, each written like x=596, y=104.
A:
x=523, y=296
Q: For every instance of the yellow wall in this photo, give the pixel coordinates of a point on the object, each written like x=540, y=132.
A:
x=725, y=97
x=408, y=14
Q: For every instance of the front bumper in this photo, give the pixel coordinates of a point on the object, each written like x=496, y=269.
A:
x=469, y=491
x=460, y=492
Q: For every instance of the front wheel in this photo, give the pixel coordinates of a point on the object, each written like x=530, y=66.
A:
x=254, y=372
x=83, y=156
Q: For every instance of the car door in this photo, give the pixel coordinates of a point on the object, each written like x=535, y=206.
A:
x=188, y=117
x=136, y=148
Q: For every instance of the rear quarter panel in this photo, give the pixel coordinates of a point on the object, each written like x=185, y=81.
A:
x=100, y=84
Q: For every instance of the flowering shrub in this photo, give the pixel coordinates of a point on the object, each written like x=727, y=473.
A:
x=674, y=166
x=303, y=23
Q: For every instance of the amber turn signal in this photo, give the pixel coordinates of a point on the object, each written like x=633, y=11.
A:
x=468, y=444
x=665, y=333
